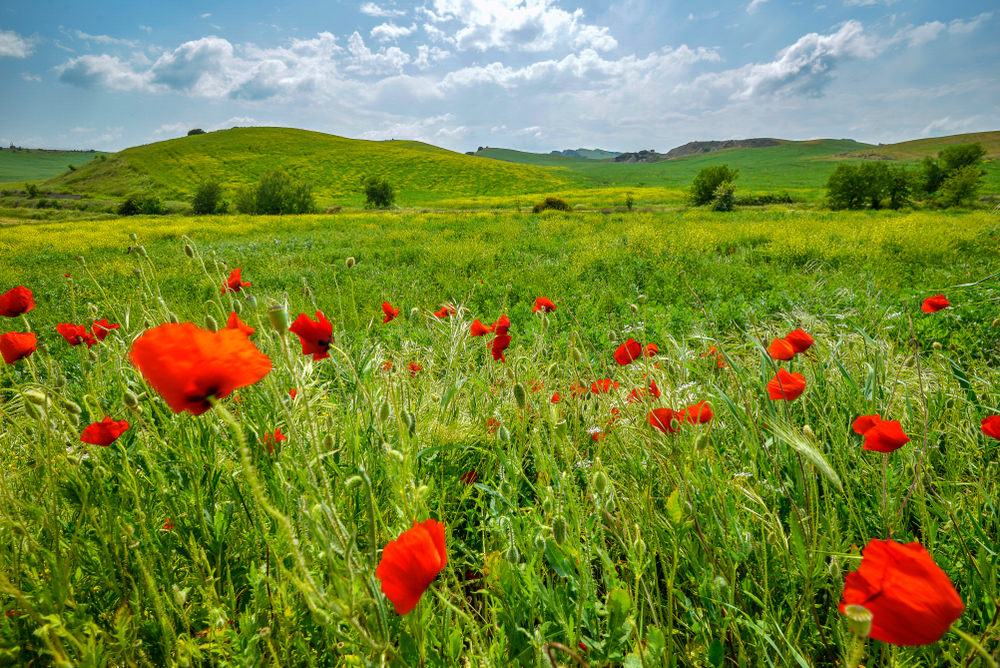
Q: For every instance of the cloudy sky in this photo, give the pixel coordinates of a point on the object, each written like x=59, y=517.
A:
x=536, y=75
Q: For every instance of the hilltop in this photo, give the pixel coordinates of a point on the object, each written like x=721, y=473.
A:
x=916, y=149
x=32, y=164
x=588, y=153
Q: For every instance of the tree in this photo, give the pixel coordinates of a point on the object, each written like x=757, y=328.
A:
x=207, y=199
x=379, y=193
x=196, y=131
x=961, y=187
x=957, y=156
x=875, y=178
x=929, y=176
x=723, y=199
x=898, y=187
x=846, y=188
x=708, y=179
x=276, y=193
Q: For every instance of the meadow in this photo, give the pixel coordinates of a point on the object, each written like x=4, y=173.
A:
x=576, y=531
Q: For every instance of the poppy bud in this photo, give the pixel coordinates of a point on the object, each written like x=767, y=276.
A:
x=350, y=262
x=547, y=504
x=576, y=355
x=633, y=308
x=511, y=555
x=141, y=250
x=72, y=407
x=560, y=529
x=79, y=258
x=278, y=315
x=910, y=361
x=189, y=251
x=539, y=542
x=129, y=399
x=414, y=312
x=93, y=406
x=641, y=299
x=36, y=397
x=32, y=410
x=211, y=324
x=600, y=482
x=383, y=412
x=133, y=237
x=238, y=307
x=503, y=434
x=73, y=419
x=352, y=482
x=859, y=620
x=395, y=454
x=411, y=422
x=506, y=489
x=328, y=442
x=520, y=396
x=808, y=432
x=936, y=345
x=701, y=442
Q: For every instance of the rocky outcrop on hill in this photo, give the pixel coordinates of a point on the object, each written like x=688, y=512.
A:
x=693, y=147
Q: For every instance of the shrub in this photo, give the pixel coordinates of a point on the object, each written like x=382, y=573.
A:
x=150, y=205
x=196, y=131
x=723, y=198
x=629, y=201
x=898, y=187
x=379, y=193
x=72, y=167
x=276, y=193
x=961, y=187
x=929, y=176
x=707, y=180
x=130, y=207
x=556, y=203
x=957, y=156
x=207, y=199
x=31, y=190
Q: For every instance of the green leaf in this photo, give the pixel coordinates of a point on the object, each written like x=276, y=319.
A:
x=716, y=653
x=674, y=508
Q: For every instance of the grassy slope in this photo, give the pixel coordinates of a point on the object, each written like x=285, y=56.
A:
x=334, y=165
x=918, y=148
x=35, y=164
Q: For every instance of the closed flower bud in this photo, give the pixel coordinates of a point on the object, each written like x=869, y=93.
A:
x=81, y=260
x=520, y=396
x=701, y=442
x=383, y=411
x=411, y=422
x=808, y=432
x=503, y=434
x=576, y=355
x=560, y=529
x=32, y=410
x=36, y=397
x=350, y=262
x=600, y=482
x=130, y=399
x=72, y=407
x=633, y=308
x=936, y=345
x=353, y=481
x=188, y=250
x=859, y=620
x=133, y=237
x=278, y=315
x=511, y=554
x=328, y=442
x=238, y=307
x=211, y=324
x=995, y=323
x=395, y=454
x=910, y=361
x=141, y=250
x=414, y=312
x=539, y=542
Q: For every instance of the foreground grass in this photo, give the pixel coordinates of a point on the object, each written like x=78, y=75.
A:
x=726, y=542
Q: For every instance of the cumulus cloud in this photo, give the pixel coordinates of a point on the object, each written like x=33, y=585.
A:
x=30, y=77
x=960, y=27
x=524, y=25
x=104, y=39
x=390, y=32
x=427, y=55
x=431, y=129
x=102, y=71
x=365, y=61
x=13, y=45
x=371, y=9
x=754, y=6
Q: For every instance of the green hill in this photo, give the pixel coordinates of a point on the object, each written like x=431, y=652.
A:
x=33, y=164
x=333, y=165
x=918, y=148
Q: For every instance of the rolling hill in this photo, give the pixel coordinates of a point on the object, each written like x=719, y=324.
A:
x=918, y=148
x=32, y=164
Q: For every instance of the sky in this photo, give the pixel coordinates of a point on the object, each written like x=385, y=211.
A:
x=535, y=75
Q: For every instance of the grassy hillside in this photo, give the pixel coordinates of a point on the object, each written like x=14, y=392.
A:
x=334, y=165
x=918, y=148
x=31, y=164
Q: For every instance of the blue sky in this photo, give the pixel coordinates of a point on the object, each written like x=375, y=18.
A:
x=536, y=75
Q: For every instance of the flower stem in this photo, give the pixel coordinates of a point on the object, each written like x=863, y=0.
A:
x=857, y=653
x=990, y=661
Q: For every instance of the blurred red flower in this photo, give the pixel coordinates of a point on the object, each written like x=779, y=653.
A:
x=500, y=343
x=234, y=283
x=390, y=312
x=700, y=413
x=410, y=563
x=863, y=423
x=628, y=352
x=414, y=368
x=101, y=327
x=787, y=386
x=479, y=329
x=234, y=322
x=445, y=311
x=16, y=301
x=555, y=398
x=315, y=335
x=16, y=346
x=502, y=325
x=270, y=441
x=544, y=304
x=799, y=340
x=781, y=350
x=470, y=478
x=652, y=350
x=990, y=425
x=885, y=436
x=934, y=304
x=104, y=432
x=603, y=386
x=75, y=334
x=665, y=420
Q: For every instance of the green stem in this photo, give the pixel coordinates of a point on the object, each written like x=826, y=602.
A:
x=990, y=661
x=857, y=653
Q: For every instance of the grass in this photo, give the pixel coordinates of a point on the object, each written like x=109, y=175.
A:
x=722, y=544
x=28, y=164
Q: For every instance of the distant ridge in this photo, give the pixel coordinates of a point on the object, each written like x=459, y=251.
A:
x=696, y=147
x=588, y=153
x=915, y=149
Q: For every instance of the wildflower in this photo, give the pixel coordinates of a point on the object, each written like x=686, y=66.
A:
x=935, y=304
x=16, y=301
x=270, y=441
x=603, y=386
x=651, y=350
x=628, y=352
x=470, y=478
x=664, y=420
x=885, y=436
x=104, y=432
x=16, y=346
x=544, y=304
x=500, y=343
x=168, y=525
x=414, y=368
x=410, y=563
x=314, y=334
x=863, y=423
x=911, y=600
x=234, y=322
x=293, y=393
x=234, y=283
x=491, y=425
x=502, y=325
x=537, y=385
x=387, y=365
x=787, y=386
x=390, y=312
x=75, y=334
x=188, y=365
x=479, y=329
x=799, y=340
x=700, y=413
x=101, y=327
x=577, y=390
x=555, y=398
x=598, y=436
x=990, y=425
x=445, y=311
x=781, y=349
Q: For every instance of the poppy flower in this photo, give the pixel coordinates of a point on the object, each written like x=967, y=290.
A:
x=387, y=365
x=863, y=423
x=491, y=425
x=537, y=385
x=168, y=525
x=990, y=425
x=885, y=436
x=578, y=390
x=390, y=312
x=598, y=436
x=315, y=335
x=410, y=563
x=293, y=393
x=603, y=386
x=234, y=322
x=16, y=301
x=628, y=352
x=500, y=343
x=651, y=350
x=75, y=334
x=104, y=432
x=711, y=351
x=414, y=368
x=187, y=365
x=654, y=390
x=799, y=340
x=101, y=327
x=935, y=304
x=787, y=386
x=234, y=283
x=445, y=311
x=664, y=420
x=479, y=329
x=911, y=599
x=502, y=325
x=270, y=441
x=781, y=350
x=544, y=304
x=555, y=398
x=700, y=413
x=470, y=478
x=16, y=346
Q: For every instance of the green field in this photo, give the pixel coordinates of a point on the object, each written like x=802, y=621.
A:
x=588, y=537
x=27, y=164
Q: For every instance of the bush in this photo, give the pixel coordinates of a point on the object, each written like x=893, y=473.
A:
x=150, y=205
x=31, y=189
x=929, y=176
x=629, y=201
x=723, y=199
x=379, y=193
x=961, y=187
x=898, y=187
x=764, y=199
x=196, y=131
x=556, y=203
x=958, y=156
x=845, y=188
x=276, y=193
x=130, y=207
x=208, y=199
x=708, y=179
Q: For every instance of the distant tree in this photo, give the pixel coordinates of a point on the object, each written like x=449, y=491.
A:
x=875, y=179
x=957, y=156
x=31, y=190
x=898, y=187
x=929, y=176
x=961, y=187
x=276, y=193
x=846, y=188
x=196, y=131
x=629, y=201
x=379, y=193
x=554, y=203
x=207, y=199
x=724, y=199
x=707, y=180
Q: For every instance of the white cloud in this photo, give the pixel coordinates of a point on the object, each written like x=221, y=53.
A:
x=922, y=34
x=206, y=15
x=960, y=27
x=427, y=55
x=13, y=45
x=754, y=6
x=102, y=71
x=390, y=32
x=365, y=61
x=30, y=77
x=104, y=39
x=419, y=129
x=371, y=9
x=145, y=29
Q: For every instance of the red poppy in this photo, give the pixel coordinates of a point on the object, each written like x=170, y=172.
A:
x=16, y=301
x=990, y=425
x=544, y=304
x=445, y=311
x=711, y=351
x=491, y=425
x=628, y=352
x=863, y=423
x=598, y=436
x=387, y=365
x=781, y=350
x=654, y=390
x=665, y=420
x=479, y=329
x=414, y=368
x=410, y=563
x=234, y=322
x=187, y=365
x=101, y=327
x=537, y=385
x=720, y=361
x=16, y=346
x=615, y=414
x=315, y=334
x=234, y=283
x=470, y=478
x=934, y=304
x=75, y=334
x=168, y=525
x=390, y=312
x=500, y=343
x=555, y=398
x=578, y=390
x=787, y=386
x=885, y=437
x=652, y=350
x=502, y=325
x=603, y=386
x=911, y=599
x=270, y=441
x=293, y=393
x=700, y=413
x=800, y=340
x=104, y=432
